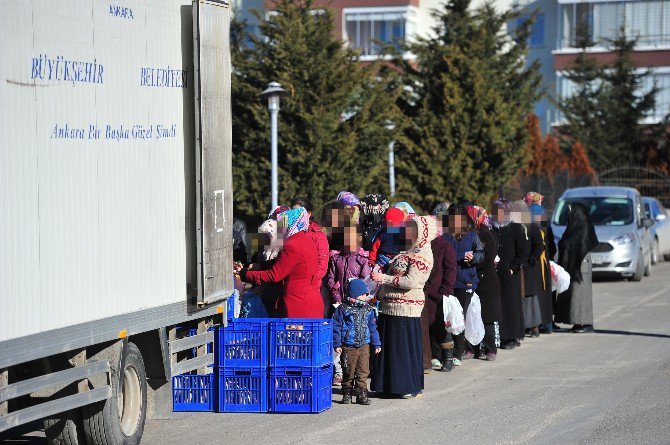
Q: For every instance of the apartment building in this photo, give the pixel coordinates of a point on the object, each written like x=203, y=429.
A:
x=648, y=20
x=554, y=35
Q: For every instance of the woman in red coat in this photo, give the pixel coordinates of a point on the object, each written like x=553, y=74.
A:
x=296, y=268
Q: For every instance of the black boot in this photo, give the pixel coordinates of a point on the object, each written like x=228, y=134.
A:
x=447, y=360
x=362, y=397
x=346, y=395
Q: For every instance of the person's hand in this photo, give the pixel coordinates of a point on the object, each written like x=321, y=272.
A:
x=338, y=350
x=469, y=256
x=377, y=277
x=237, y=267
x=378, y=350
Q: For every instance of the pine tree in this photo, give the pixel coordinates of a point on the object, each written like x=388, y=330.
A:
x=467, y=96
x=333, y=126
x=608, y=106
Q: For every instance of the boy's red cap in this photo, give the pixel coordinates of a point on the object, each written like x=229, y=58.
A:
x=394, y=217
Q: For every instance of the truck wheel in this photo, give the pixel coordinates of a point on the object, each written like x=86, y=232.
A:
x=65, y=429
x=120, y=420
x=639, y=272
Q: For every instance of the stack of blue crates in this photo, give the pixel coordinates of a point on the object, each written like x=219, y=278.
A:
x=301, y=357
x=264, y=365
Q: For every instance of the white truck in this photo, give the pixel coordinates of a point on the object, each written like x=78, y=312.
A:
x=115, y=208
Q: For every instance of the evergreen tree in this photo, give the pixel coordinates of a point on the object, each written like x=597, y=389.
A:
x=333, y=125
x=607, y=107
x=466, y=96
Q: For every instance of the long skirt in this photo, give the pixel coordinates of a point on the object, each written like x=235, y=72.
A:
x=398, y=369
x=531, y=312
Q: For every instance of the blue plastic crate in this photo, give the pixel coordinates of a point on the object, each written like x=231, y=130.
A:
x=243, y=344
x=301, y=389
x=242, y=390
x=230, y=307
x=193, y=392
x=301, y=342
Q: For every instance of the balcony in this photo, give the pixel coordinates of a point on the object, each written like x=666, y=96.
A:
x=648, y=20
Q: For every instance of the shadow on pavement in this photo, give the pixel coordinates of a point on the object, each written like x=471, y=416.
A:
x=639, y=334
x=28, y=434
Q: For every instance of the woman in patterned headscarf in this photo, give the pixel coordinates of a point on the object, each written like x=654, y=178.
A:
x=373, y=209
x=296, y=267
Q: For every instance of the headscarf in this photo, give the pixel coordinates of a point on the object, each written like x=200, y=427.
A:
x=407, y=209
x=348, y=199
x=578, y=240
x=269, y=228
x=351, y=205
x=519, y=212
x=293, y=221
x=478, y=216
x=277, y=210
x=441, y=209
x=373, y=209
x=505, y=204
x=533, y=198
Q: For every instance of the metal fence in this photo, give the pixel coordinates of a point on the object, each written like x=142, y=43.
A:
x=647, y=181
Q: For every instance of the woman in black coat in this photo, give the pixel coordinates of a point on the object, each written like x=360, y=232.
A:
x=513, y=252
x=534, y=281
x=488, y=288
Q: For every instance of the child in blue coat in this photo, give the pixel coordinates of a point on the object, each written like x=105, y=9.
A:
x=354, y=328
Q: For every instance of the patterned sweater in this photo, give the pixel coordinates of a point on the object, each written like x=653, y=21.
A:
x=403, y=295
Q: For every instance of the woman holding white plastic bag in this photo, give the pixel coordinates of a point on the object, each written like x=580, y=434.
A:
x=488, y=287
x=469, y=253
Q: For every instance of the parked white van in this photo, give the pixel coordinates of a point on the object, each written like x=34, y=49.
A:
x=621, y=224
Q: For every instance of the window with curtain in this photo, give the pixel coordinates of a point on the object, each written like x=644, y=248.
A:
x=369, y=32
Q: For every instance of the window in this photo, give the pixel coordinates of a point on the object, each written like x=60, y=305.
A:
x=602, y=211
x=649, y=20
x=368, y=31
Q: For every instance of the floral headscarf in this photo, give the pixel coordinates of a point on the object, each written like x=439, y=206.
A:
x=407, y=209
x=277, y=211
x=269, y=228
x=505, y=204
x=441, y=209
x=533, y=198
x=478, y=216
x=373, y=209
x=293, y=221
x=351, y=205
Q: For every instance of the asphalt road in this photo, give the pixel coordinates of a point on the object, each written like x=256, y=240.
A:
x=611, y=387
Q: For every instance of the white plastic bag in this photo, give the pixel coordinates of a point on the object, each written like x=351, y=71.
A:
x=474, y=326
x=560, y=278
x=453, y=314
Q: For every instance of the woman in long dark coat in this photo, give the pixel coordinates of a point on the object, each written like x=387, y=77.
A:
x=488, y=288
x=531, y=274
x=513, y=252
x=545, y=296
x=575, y=306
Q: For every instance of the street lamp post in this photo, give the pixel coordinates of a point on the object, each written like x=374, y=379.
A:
x=273, y=92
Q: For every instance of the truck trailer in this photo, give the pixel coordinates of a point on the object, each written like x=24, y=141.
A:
x=115, y=208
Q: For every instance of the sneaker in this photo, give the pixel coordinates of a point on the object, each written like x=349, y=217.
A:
x=467, y=356
x=436, y=363
x=427, y=371
x=457, y=362
x=490, y=357
x=410, y=396
x=337, y=380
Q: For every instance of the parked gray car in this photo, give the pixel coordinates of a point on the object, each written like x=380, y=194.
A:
x=618, y=215
x=660, y=231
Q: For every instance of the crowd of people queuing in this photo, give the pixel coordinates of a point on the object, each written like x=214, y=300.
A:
x=382, y=273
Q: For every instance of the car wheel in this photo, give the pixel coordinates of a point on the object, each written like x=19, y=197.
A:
x=639, y=271
x=655, y=254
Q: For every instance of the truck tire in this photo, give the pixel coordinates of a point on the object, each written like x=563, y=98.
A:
x=65, y=429
x=639, y=271
x=120, y=420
